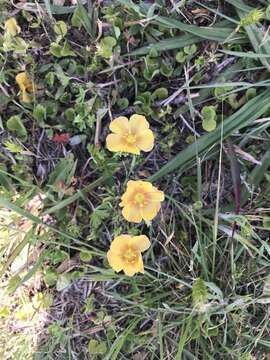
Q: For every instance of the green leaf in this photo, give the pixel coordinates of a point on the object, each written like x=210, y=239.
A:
x=160, y=93
x=251, y=111
x=105, y=47
x=55, y=49
x=209, y=118
x=100, y=214
x=63, y=281
x=199, y=293
x=87, y=20
x=122, y=103
x=58, y=50
x=209, y=33
x=15, y=124
x=64, y=171
x=190, y=50
x=85, y=255
x=266, y=287
x=66, y=50
x=267, y=12
x=39, y=113
x=50, y=277
x=255, y=33
x=180, y=57
x=97, y=347
x=176, y=42
x=60, y=28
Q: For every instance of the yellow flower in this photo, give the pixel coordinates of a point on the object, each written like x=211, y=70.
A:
x=141, y=201
x=125, y=253
x=26, y=85
x=12, y=27
x=130, y=136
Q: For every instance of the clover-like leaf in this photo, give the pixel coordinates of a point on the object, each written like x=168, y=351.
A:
x=60, y=28
x=97, y=347
x=160, y=93
x=105, y=47
x=209, y=118
x=180, y=57
x=15, y=124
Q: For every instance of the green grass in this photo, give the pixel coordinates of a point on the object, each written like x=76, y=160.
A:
x=205, y=290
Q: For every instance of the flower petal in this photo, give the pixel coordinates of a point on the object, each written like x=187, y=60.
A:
x=24, y=82
x=119, y=243
x=25, y=97
x=115, y=261
x=141, y=242
x=156, y=195
x=140, y=267
x=129, y=269
x=149, y=211
x=12, y=27
x=132, y=149
x=132, y=269
x=114, y=142
x=145, y=141
x=120, y=125
x=138, y=124
x=132, y=213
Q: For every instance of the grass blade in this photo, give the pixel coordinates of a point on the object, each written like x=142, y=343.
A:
x=243, y=117
x=214, y=33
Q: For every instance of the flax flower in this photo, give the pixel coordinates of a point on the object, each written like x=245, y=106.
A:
x=11, y=27
x=130, y=136
x=141, y=201
x=26, y=86
x=125, y=253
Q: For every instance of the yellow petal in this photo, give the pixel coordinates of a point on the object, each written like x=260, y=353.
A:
x=25, y=97
x=149, y=211
x=140, y=267
x=132, y=269
x=120, y=125
x=132, y=214
x=156, y=195
x=141, y=242
x=24, y=82
x=145, y=141
x=132, y=149
x=115, y=261
x=12, y=27
x=129, y=270
x=119, y=243
x=138, y=124
x=114, y=142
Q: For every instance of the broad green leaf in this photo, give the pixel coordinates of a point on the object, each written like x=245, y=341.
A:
x=15, y=124
x=60, y=28
x=209, y=112
x=97, y=347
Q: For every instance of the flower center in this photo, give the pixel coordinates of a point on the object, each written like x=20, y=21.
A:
x=139, y=199
x=131, y=139
x=130, y=256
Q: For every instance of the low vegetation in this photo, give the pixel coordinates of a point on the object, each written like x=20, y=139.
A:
x=134, y=158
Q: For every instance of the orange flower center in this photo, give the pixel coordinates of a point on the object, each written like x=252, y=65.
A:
x=140, y=199
x=130, y=139
x=131, y=255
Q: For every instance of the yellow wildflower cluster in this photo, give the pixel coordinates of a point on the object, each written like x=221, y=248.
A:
x=26, y=85
x=141, y=201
